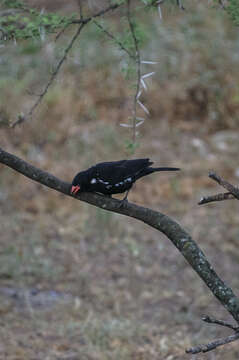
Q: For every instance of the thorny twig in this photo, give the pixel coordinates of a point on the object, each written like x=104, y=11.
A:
x=82, y=22
x=216, y=343
x=135, y=56
x=137, y=59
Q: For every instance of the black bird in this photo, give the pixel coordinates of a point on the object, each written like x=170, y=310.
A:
x=113, y=177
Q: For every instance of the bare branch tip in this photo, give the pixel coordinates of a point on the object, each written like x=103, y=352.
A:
x=201, y=201
x=211, y=174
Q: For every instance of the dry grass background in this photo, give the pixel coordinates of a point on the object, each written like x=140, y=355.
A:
x=80, y=283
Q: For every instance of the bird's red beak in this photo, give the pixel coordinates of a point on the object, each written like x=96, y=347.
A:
x=75, y=189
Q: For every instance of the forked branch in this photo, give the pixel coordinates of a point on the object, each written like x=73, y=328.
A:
x=233, y=191
x=218, y=342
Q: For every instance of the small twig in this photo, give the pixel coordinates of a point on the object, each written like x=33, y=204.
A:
x=138, y=62
x=212, y=345
x=231, y=188
x=61, y=32
x=211, y=320
x=216, y=197
x=118, y=42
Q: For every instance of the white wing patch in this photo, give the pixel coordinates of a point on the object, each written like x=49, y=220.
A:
x=108, y=185
x=103, y=182
x=127, y=180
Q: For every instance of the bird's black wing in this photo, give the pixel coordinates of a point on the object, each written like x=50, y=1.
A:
x=116, y=171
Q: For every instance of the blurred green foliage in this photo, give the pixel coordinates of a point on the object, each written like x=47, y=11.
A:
x=23, y=22
x=233, y=11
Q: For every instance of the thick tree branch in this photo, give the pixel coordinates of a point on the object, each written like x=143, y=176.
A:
x=179, y=237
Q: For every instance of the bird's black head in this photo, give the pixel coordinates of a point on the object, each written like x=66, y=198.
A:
x=79, y=183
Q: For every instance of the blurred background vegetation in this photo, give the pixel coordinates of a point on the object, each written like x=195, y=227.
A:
x=80, y=283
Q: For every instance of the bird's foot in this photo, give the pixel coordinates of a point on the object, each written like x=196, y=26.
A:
x=123, y=203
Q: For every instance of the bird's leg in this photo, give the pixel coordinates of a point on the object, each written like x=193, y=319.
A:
x=126, y=196
x=125, y=199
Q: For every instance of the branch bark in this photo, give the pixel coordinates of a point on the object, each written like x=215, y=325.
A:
x=178, y=236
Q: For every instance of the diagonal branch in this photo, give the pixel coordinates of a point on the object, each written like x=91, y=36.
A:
x=176, y=234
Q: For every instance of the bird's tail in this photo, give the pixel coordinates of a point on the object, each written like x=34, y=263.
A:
x=150, y=170
x=163, y=169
